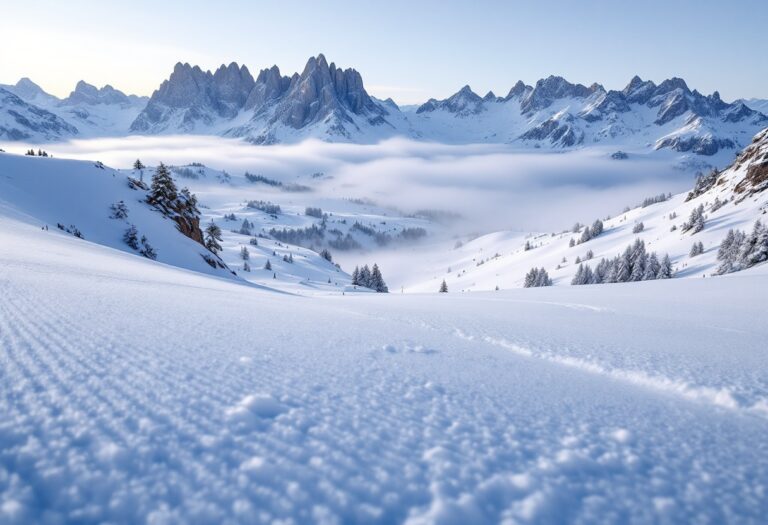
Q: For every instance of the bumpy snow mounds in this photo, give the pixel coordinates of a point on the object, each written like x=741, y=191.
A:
x=136, y=392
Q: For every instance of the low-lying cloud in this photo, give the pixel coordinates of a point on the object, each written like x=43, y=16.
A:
x=492, y=186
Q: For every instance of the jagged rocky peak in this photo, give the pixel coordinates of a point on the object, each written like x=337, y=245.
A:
x=638, y=90
x=89, y=94
x=26, y=89
x=270, y=85
x=186, y=86
x=552, y=88
x=232, y=84
x=672, y=84
x=463, y=102
x=323, y=90
x=518, y=91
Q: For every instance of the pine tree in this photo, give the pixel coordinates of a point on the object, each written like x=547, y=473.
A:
x=147, y=250
x=624, y=266
x=119, y=210
x=244, y=254
x=356, y=276
x=597, y=228
x=268, y=266
x=212, y=236
x=579, y=277
x=246, y=266
x=162, y=192
x=652, y=268
x=140, y=168
x=377, y=280
x=444, y=287
x=665, y=270
x=365, y=276
x=131, y=237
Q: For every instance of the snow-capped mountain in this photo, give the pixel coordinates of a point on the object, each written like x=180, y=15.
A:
x=20, y=120
x=556, y=113
x=88, y=111
x=323, y=101
x=331, y=103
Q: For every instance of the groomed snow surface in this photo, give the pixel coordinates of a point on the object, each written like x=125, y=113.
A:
x=136, y=392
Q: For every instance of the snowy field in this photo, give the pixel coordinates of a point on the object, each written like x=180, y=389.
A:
x=136, y=392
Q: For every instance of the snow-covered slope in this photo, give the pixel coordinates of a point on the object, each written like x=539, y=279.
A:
x=22, y=121
x=136, y=392
x=88, y=111
x=734, y=198
x=758, y=104
x=78, y=195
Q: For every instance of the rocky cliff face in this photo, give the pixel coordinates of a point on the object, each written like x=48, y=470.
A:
x=192, y=98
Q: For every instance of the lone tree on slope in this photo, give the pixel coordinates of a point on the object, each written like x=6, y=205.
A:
x=212, y=236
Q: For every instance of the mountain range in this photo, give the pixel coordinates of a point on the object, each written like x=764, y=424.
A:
x=330, y=103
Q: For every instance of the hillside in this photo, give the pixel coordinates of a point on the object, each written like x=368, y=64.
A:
x=732, y=199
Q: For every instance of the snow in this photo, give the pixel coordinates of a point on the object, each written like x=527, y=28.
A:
x=140, y=391
x=135, y=391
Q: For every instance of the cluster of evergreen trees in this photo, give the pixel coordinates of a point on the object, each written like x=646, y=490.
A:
x=696, y=220
x=265, y=206
x=661, y=197
x=174, y=203
x=313, y=212
x=246, y=228
x=250, y=177
x=696, y=249
x=634, y=264
x=739, y=250
x=131, y=238
x=369, y=278
x=537, y=277
x=31, y=153
x=592, y=232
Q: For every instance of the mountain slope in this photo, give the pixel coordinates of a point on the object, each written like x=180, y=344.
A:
x=20, y=120
x=79, y=196
x=733, y=198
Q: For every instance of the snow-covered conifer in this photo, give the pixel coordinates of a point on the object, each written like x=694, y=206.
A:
x=212, y=236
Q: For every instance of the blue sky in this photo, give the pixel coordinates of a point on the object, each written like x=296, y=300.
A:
x=409, y=50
